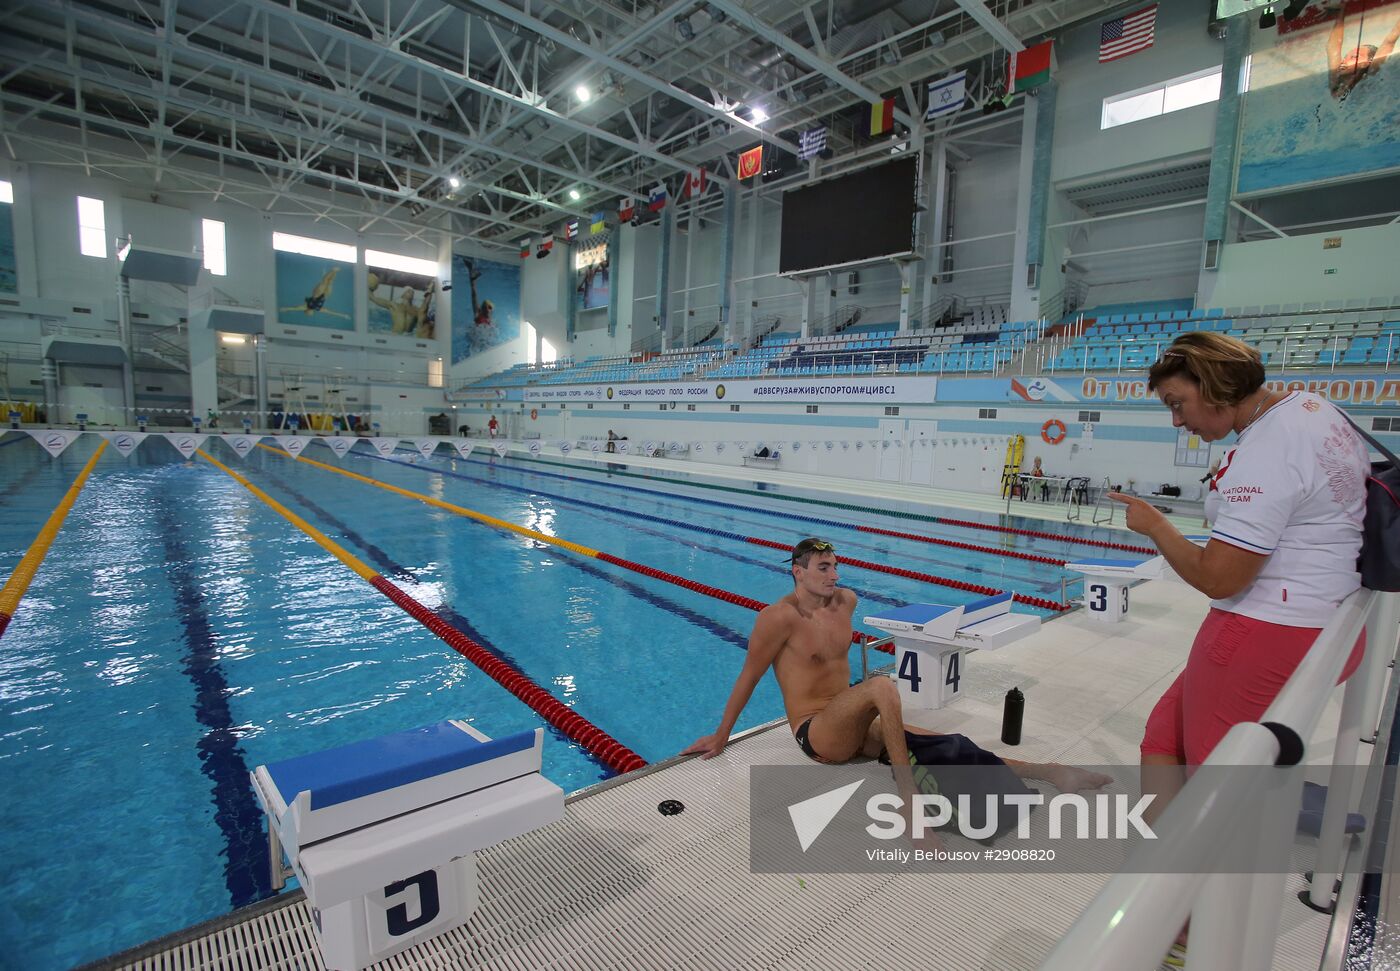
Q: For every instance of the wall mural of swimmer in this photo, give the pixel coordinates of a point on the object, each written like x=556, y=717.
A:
x=1324, y=97
x=485, y=305
x=313, y=291
x=9, y=269
x=402, y=303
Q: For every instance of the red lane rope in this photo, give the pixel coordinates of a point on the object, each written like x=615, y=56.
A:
x=928, y=578
x=592, y=738
x=1150, y=551
x=918, y=538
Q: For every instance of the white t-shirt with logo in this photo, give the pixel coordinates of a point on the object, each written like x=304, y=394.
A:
x=1293, y=488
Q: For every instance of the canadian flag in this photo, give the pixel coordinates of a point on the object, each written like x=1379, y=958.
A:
x=695, y=183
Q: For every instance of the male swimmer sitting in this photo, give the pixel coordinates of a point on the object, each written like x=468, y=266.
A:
x=806, y=638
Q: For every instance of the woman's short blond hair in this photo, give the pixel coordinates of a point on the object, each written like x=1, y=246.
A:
x=1226, y=370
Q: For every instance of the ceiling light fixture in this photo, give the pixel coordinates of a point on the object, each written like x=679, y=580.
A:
x=573, y=194
x=758, y=116
x=232, y=339
x=583, y=94
x=453, y=181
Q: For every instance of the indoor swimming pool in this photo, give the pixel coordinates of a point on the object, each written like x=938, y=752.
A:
x=181, y=632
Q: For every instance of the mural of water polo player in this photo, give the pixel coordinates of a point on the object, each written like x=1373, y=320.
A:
x=594, y=284
x=396, y=309
x=1349, y=61
x=492, y=318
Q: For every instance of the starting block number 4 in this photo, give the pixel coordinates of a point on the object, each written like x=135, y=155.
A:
x=927, y=680
x=1106, y=601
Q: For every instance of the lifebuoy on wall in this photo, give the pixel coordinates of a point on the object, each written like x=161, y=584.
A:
x=1053, y=431
x=535, y=413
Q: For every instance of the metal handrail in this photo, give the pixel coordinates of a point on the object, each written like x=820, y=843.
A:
x=1137, y=914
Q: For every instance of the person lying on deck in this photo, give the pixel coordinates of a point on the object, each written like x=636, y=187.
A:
x=806, y=638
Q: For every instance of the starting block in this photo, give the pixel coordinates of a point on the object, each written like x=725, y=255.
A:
x=932, y=640
x=1106, y=584
x=382, y=833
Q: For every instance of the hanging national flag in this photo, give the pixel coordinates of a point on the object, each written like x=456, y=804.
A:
x=694, y=183
x=811, y=142
x=881, y=117
x=946, y=95
x=1030, y=68
x=570, y=229
x=600, y=223
x=1127, y=35
x=625, y=210
x=751, y=162
x=526, y=245
x=656, y=201
x=546, y=244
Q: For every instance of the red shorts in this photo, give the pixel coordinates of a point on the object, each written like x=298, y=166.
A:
x=1237, y=667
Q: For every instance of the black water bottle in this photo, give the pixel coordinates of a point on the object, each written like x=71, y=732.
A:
x=1011, y=717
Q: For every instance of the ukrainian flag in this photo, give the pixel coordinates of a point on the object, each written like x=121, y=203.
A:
x=600, y=222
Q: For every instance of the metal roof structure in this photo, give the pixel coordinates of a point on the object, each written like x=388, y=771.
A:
x=463, y=116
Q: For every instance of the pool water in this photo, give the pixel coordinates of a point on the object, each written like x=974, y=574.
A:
x=181, y=632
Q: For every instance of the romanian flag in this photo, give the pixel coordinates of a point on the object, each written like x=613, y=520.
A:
x=881, y=117
x=625, y=210
x=1030, y=68
x=751, y=162
x=526, y=245
x=600, y=223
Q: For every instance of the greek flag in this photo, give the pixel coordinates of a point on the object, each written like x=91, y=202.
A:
x=811, y=142
x=946, y=95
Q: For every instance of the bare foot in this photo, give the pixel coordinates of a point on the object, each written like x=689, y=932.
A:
x=1068, y=778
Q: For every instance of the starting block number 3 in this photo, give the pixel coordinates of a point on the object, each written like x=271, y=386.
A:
x=1107, y=599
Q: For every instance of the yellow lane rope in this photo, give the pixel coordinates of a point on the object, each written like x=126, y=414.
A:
x=322, y=540
x=459, y=510
x=34, y=556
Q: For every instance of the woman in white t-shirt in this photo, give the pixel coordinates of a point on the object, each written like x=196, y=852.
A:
x=1285, y=510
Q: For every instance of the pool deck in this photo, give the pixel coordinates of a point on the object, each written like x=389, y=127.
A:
x=616, y=884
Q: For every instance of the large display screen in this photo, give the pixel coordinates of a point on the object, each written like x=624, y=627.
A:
x=861, y=216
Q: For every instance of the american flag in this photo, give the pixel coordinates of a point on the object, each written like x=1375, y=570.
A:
x=1127, y=35
x=811, y=142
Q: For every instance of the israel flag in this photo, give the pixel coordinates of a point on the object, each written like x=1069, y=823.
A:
x=946, y=95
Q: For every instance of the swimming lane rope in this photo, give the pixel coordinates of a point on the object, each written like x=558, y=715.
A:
x=592, y=738
x=920, y=517
x=13, y=591
x=773, y=544
x=692, y=585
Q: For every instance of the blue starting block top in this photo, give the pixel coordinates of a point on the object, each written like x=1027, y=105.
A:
x=1125, y=564
x=374, y=765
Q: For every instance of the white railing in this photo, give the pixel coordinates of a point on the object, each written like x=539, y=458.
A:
x=1234, y=916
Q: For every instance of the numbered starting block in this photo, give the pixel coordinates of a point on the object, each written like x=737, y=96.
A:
x=382, y=833
x=1106, y=584
x=931, y=642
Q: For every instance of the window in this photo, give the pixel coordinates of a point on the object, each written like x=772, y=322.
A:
x=215, y=256
x=1089, y=417
x=733, y=407
x=287, y=243
x=529, y=331
x=1187, y=91
x=392, y=261
x=986, y=412
x=7, y=191
x=435, y=373
x=891, y=410
x=1384, y=425
x=689, y=407
x=92, y=227
x=811, y=409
